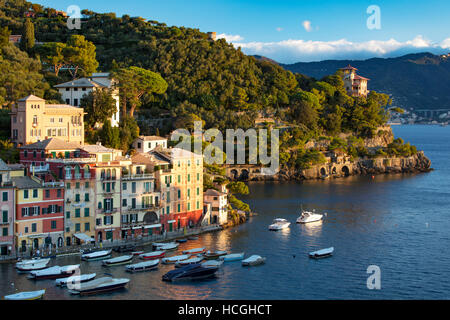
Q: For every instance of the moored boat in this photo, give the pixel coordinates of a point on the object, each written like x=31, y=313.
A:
x=323, y=253
x=169, y=247
x=253, y=261
x=143, y=266
x=30, y=295
x=99, y=285
x=190, y=272
x=194, y=251
x=54, y=272
x=279, y=224
x=212, y=263
x=152, y=255
x=158, y=245
x=232, y=257
x=308, y=216
x=136, y=253
x=73, y=280
x=181, y=240
x=117, y=261
x=214, y=254
x=98, y=255
x=175, y=259
x=33, y=264
x=193, y=260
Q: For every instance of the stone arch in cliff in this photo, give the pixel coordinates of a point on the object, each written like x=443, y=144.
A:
x=244, y=174
x=323, y=172
x=346, y=171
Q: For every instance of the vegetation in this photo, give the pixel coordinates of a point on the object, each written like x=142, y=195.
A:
x=99, y=106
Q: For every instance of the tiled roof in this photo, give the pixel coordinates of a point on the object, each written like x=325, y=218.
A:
x=82, y=82
x=25, y=183
x=360, y=78
x=151, y=138
x=32, y=98
x=97, y=148
x=143, y=158
x=52, y=144
x=349, y=67
x=213, y=192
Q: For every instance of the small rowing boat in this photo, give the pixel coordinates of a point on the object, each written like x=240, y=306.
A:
x=142, y=266
x=99, y=285
x=232, y=257
x=117, y=261
x=54, y=272
x=158, y=245
x=181, y=240
x=214, y=255
x=98, y=255
x=31, y=265
x=323, y=253
x=194, y=251
x=253, y=261
x=169, y=247
x=175, y=259
x=152, y=255
x=73, y=280
x=30, y=295
x=186, y=262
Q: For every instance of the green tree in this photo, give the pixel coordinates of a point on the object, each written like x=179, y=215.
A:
x=110, y=136
x=81, y=55
x=4, y=36
x=27, y=42
x=99, y=106
x=238, y=187
x=52, y=54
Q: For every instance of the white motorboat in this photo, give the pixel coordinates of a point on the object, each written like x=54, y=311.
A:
x=193, y=260
x=279, y=224
x=99, y=285
x=321, y=253
x=212, y=263
x=142, y=266
x=308, y=216
x=253, y=261
x=30, y=295
x=31, y=265
x=169, y=246
x=73, y=280
x=117, y=261
x=232, y=257
x=54, y=272
x=98, y=255
x=175, y=259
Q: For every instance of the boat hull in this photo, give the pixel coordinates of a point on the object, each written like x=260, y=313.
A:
x=152, y=256
x=190, y=273
x=97, y=258
x=102, y=289
x=52, y=276
x=32, y=295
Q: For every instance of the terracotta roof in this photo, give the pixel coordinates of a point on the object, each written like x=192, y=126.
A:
x=97, y=148
x=31, y=98
x=143, y=158
x=213, y=192
x=360, y=78
x=151, y=138
x=52, y=144
x=349, y=67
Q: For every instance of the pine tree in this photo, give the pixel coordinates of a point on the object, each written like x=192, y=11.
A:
x=27, y=42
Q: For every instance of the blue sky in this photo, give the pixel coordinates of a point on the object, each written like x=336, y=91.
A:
x=298, y=30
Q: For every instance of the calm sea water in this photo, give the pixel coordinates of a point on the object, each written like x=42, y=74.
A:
x=400, y=223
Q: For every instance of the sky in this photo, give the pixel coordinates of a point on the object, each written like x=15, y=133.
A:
x=290, y=31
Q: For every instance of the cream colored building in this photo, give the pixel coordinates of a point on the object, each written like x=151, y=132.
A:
x=355, y=85
x=219, y=204
x=145, y=144
x=33, y=120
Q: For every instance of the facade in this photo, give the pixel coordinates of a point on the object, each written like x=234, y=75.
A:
x=145, y=144
x=33, y=120
x=219, y=204
x=7, y=207
x=73, y=91
x=355, y=85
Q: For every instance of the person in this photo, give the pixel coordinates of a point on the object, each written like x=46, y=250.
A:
x=38, y=252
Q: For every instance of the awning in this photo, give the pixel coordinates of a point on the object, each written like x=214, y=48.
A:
x=171, y=221
x=41, y=235
x=153, y=226
x=137, y=227
x=83, y=237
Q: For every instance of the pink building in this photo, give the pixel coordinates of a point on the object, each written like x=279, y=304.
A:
x=7, y=206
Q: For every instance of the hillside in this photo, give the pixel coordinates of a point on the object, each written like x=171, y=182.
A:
x=418, y=81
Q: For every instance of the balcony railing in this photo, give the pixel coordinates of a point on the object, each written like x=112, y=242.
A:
x=143, y=207
x=2, y=222
x=54, y=184
x=138, y=176
x=37, y=169
x=73, y=160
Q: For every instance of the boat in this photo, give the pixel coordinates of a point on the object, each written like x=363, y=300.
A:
x=175, y=259
x=232, y=257
x=117, y=261
x=169, y=246
x=181, y=240
x=279, y=224
x=152, y=255
x=31, y=265
x=143, y=266
x=125, y=248
x=323, y=253
x=190, y=272
x=98, y=255
x=212, y=263
x=308, y=216
x=193, y=260
x=157, y=245
x=136, y=253
x=214, y=255
x=73, y=280
x=253, y=261
x=30, y=295
x=193, y=238
x=54, y=272
x=99, y=285
x=194, y=251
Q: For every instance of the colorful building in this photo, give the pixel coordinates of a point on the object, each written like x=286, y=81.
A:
x=355, y=85
x=7, y=207
x=144, y=144
x=219, y=205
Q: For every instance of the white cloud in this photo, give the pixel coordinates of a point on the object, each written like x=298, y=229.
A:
x=230, y=37
x=307, y=25
x=290, y=51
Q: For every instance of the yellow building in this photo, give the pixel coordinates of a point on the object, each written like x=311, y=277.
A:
x=33, y=120
x=355, y=85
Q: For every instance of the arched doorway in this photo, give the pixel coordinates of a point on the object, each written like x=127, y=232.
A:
x=100, y=237
x=234, y=174
x=346, y=171
x=244, y=174
x=150, y=217
x=323, y=172
x=60, y=242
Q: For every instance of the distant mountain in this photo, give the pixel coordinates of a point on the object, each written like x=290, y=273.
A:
x=262, y=58
x=418, y=81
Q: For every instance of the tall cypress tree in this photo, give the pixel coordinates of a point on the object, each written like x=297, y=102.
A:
x=27, y=42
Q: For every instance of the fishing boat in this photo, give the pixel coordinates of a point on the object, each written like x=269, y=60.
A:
x=175, y=259
x=181, y=240
x=99, y=285
x=136, y=253
x=279, y=224
x=169, y=247
x=190, y=272
x=323, y=253
x=308, y=216
x=117, y=261
x=212, y=263
x=98, y=255
x=30, y=295
x=214, y=255
x=142, y=266
x=31, y=265
x=152, y=255
x=194, y=251
x=73, y=280
x=253, y=261
x=54, y=272
x=232, y=257
x=193, y=260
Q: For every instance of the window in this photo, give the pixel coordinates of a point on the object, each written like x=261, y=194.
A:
x=47, y=193
x=53, y=224
x=34, y=154
x=198, y=204
x=77, y=185
x=5, y=196
x=98, y=222
x=189, y=206
x=5, y=215
x=198, y=191
x=133, y=187
x=179, y=208
x=86, y=212
x=124, y=186
x=179, y=179
x=124, y=202
x=25, y=212
x=68, y=185
x=25, y=194
x=87, y=227
x=77, y=197
x=168, y=209
x=5, y=232
x=26, y=229
x=133, y=203
x=77, y=227
x=75, y=101
x=77, y=213
x=179, y=194
x=86, y=185
x=189, y=177
x=86, y=197
x=67, y=214
x=35, y=193
x=25, y=154
x=198, y=176
x=34, y=227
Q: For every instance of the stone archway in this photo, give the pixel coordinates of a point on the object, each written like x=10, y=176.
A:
x=346, y=171
x=150, y=217
x=234, y=174
x=244, y=174
x=323, y=172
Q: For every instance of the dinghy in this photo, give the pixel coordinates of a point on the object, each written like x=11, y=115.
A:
x=73, y=280
x=253, y=261
x=30, y=295
x=194, y=251
x=321, y=253
x=214, y=255
x=117, y=261
x=175, y=259
x=212, y=263
x=54, y=272
x=142, y=266
x=152, y=255
x=31, y=265
x=98, y=255
x=193, y=260
x=169, y=246
x=99, y=285
x=232, y=257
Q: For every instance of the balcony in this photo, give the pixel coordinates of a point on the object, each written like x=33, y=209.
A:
x=103, y=211
x=141, y=176
x=5, y=222
x=91, y=159
x=143, y=207
x=54, y=184
x=38, y=169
